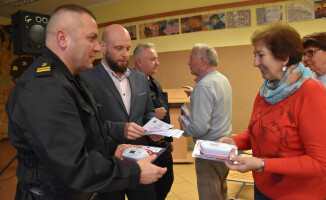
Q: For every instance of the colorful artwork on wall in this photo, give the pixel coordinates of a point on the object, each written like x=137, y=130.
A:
x=148, y=30
x=300, y=11
x=269, y=15
x=320, y=9
x=237, y=19
x=191, y=24
x=232, y=19
x=132, y=31
x=213, y=21
x=168, y=27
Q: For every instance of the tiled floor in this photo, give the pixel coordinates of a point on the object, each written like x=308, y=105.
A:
x=185, y=185
x=183, y=188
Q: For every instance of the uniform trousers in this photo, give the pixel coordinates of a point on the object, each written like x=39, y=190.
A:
x=211, y=179
x=164, y=184
x=141, y=192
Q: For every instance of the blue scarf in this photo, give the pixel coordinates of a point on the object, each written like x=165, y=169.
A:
x=294, y=77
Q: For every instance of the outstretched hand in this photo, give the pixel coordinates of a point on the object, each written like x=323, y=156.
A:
x=182, y=126
x=160, y=113
x=244, y=164
x=155, y=138
x=133, y=131
x=227, y=140
x=150, y=173
x=188, y=90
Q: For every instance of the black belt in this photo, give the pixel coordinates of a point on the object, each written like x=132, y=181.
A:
x=74, y=196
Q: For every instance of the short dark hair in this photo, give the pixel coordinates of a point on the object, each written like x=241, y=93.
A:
x=316, y=40
x=283, y=41
x=214, y=16
x=74, y=8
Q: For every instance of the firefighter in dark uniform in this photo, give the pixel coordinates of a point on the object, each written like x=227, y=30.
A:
x=146, y=61
x=54, y=121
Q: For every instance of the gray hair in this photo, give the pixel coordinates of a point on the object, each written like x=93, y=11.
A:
x=207, y=51
x=141, y=47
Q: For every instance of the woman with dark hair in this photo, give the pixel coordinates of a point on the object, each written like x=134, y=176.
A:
x=315, y=55
x=286, y=134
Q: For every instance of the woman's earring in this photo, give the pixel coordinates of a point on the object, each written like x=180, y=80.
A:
x=284, y=68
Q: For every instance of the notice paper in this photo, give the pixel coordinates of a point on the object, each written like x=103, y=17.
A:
x=158, y=127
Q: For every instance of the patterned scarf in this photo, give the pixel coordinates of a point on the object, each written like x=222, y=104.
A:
x=295, y=76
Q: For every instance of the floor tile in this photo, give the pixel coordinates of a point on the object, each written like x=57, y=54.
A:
x=178, y=178
x=182, y=187
x=173, y=197
x=188, y=175
x=189, y=195
x=193, y=182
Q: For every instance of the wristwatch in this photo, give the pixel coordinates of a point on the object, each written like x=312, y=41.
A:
x=261, y=168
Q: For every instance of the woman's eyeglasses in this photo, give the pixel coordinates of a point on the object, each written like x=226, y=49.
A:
x=310, y=53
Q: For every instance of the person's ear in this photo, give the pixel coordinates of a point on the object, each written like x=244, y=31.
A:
x=203, y=60
x=62, y=39
x=286, y=61
x=138, y=62
x=102, y=46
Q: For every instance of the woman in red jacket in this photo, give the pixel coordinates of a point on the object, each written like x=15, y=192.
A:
x=287, y=128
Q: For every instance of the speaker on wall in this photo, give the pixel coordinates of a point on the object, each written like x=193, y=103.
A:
x=28, y=32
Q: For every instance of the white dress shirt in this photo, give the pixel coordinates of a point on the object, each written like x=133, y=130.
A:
x=122, y=85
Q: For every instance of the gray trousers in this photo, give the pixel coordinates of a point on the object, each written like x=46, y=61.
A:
x=211, y=179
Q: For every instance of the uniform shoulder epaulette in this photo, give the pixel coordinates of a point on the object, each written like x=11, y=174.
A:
x=44, y=69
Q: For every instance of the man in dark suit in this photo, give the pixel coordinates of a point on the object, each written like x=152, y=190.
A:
x=125, y=99
x=146, y=61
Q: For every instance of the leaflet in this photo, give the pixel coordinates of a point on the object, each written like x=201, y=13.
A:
x=158, y=127
x=168, y=133
x=185, y=116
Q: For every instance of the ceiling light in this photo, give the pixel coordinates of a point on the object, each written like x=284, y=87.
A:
x=15, y=3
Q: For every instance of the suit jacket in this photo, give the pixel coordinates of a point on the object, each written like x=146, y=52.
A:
x=114, y=113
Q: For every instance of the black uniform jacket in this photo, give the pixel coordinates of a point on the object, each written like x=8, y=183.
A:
x=160, y=99
x=54, y=124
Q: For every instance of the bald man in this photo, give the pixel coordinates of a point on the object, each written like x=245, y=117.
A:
x=55, y=124
x=125, y=99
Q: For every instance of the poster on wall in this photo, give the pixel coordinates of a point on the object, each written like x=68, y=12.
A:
x=300, y=11
x=148, y=30
x=237, y=19
x=320, y=9
x=191, y=24
x=168, y=27
x=132, y=31
x=213, y=21
x=269, y=15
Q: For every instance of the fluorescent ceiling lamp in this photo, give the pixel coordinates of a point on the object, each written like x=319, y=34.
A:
x=15, y=3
